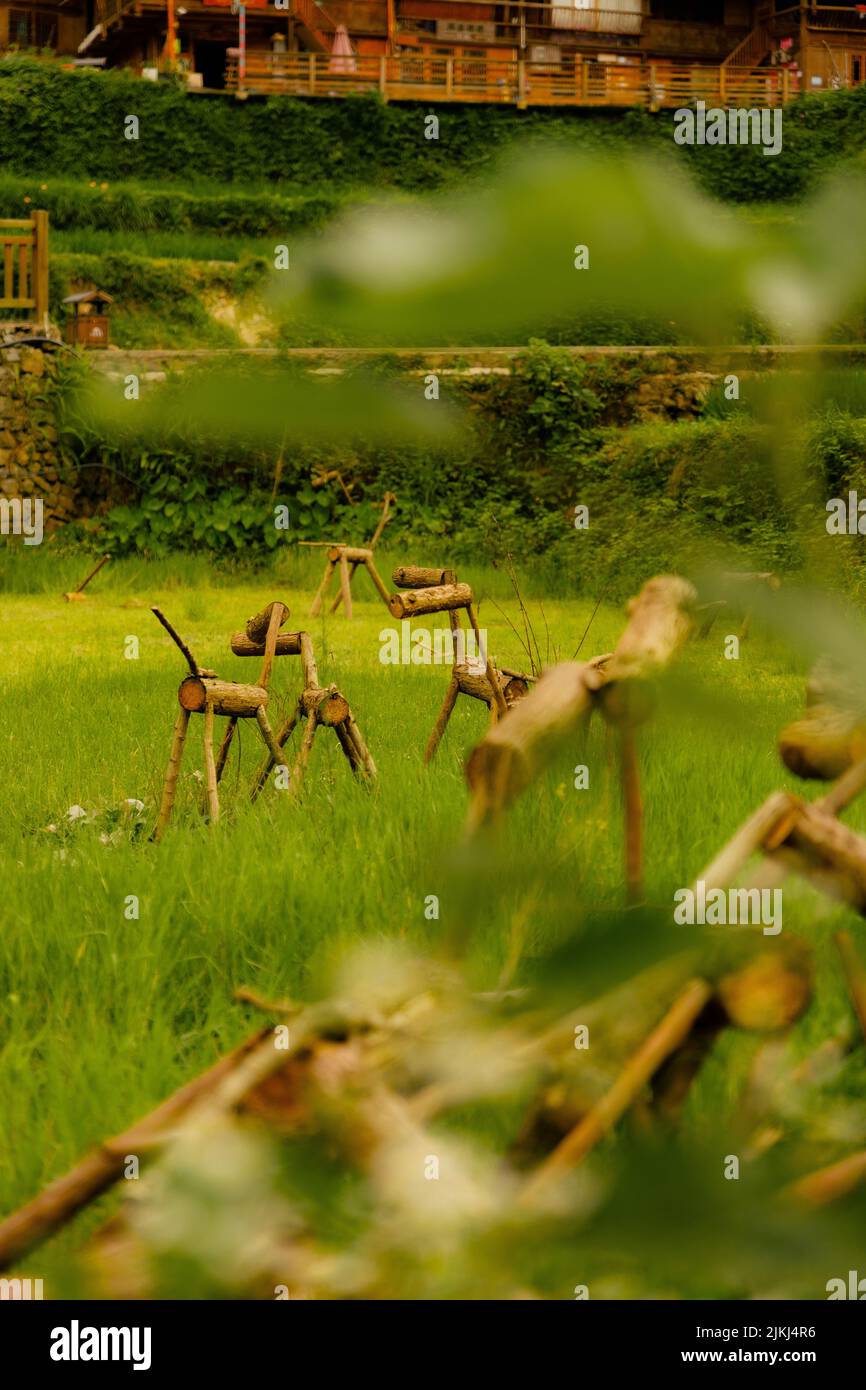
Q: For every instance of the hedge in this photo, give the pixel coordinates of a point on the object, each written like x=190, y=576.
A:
x=53, y=121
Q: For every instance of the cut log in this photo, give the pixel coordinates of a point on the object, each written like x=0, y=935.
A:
x=472, y=680
x=257, y=626
x=226, y=697
x=516, y=749
x=353, y=554
x=660, y=620
x=417, y=577
x=329, y=706
x=436, y=600
x=288, y=644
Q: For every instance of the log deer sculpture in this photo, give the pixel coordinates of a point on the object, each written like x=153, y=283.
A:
x=474, y=675
x=201, y=692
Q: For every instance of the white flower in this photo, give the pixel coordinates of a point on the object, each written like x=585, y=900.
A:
x=134, y=803
x=76, y=813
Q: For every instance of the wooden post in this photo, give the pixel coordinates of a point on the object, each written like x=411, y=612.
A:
x=170, y=786
x=40, y=267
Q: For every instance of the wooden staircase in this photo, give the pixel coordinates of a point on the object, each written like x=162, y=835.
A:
x=315, y=26
x=754, y=48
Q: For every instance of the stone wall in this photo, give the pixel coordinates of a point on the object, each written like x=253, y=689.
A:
x=30, y=464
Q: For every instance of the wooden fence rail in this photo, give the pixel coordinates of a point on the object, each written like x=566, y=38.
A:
x=574, y=82
x=25, y=265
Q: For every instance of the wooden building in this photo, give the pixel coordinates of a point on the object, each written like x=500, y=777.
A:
x=594, y=52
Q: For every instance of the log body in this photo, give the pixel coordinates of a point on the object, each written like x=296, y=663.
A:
x=226, y=697
x=440, y=599
x=417, y=577
x=356, y=555
x=518, y=746
x=288, y=644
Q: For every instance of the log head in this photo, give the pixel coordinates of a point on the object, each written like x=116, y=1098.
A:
x=770, y=992
x=330, y=707
x=257, y=626
x=822, y=746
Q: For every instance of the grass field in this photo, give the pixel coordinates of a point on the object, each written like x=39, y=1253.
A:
x=103, y=1016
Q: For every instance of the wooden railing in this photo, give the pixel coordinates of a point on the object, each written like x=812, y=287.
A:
x=24, y=244
x=836, y=17
x=574, y=82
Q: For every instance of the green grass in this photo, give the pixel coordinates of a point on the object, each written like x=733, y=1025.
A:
x=103, y=1016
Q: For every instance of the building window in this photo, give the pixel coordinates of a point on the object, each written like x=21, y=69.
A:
x=599, y=16
x=29, y=29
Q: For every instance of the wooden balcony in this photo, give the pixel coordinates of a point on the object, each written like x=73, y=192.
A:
x=578, y=81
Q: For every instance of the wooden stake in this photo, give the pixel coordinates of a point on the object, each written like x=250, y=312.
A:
x=77, y=593
x=170, y=786
x=670, y=1033
x=210, y=767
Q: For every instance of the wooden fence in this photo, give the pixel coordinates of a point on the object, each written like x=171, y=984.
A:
x=25, y=265
x=573, y=82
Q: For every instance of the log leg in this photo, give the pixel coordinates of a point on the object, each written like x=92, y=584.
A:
x=346, y=585
x=361, y=747
x=170, y=785
x=210, y=765
x=267, y=734
x=303, y=757
x=499, y=698
x=265, y=770
x=633, y=807
x=222, y=755
x=347, y=744
x=322, y=589
x=377, y=580
x=339, y=599
x=442, y=721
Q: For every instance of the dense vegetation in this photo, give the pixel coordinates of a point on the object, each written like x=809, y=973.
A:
x=52, y=121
